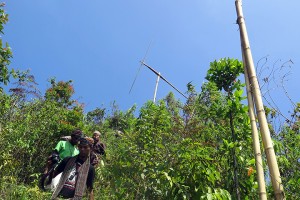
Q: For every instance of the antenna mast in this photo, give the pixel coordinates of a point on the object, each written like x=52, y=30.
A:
x=159, y=75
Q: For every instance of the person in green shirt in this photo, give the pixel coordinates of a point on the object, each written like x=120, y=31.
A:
x=62, y=150
x=66, y=148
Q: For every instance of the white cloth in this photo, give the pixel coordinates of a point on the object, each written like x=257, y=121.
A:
x=53, y=183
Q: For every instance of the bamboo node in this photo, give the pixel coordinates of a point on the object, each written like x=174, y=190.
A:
x=261, y=110
x=269, y=148
x=262, y=193
x=247, y=48
x=239, y=20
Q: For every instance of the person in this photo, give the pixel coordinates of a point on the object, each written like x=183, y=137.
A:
x=64, y=148
x=77, y=174
x=93, y=156
x=98, y=147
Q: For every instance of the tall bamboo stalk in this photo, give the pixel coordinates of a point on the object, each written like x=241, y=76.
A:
x=264, y=129
x=255, y=137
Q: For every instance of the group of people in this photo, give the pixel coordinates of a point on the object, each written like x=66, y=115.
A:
x=73, y=163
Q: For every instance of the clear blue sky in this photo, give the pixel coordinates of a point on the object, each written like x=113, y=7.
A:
x=98, y=44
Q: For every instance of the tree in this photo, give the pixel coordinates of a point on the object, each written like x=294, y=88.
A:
x=5, y=55
x=60, y=92
x=224, y=73
x=5, y=51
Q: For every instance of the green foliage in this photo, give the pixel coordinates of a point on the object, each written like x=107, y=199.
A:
x=159, y=163
x=22, y=192
x=96, y=116
x=60, y=92
x=224, y=72
x=5, y=55
x=170, y=151
x=30, y=131
x=5, y=52
x=287, y=147
x=119, y=120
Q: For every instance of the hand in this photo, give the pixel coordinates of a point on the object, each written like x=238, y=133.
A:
x=49, y=163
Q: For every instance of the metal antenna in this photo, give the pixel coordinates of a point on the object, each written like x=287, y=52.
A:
x=140, y=67
x=159, y=75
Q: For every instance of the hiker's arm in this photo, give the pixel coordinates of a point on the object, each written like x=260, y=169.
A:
x=61, y=166
x=94, y=159
x=54, y=154
x=103, y=148
x=51, y=160
x=57, y=170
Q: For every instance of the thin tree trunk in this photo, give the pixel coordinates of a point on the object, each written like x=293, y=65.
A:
x=235, y=164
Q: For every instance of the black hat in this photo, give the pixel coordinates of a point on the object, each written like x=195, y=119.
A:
x=77, y=133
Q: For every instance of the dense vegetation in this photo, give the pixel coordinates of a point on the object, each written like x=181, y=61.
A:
x=198, y=149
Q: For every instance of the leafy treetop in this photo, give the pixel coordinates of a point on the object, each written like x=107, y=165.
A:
x=224, y=72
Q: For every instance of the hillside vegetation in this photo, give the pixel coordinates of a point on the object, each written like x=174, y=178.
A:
x=198, y=149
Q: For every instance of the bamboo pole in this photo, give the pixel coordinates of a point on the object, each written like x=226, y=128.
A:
x=156, y=85
x=264, y=129
x=255, y=137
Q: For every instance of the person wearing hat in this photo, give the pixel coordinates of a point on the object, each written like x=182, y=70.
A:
x=77, y=174
x=98, y=147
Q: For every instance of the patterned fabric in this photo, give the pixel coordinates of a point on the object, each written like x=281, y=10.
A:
x=68, y=189
x=81, y=179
